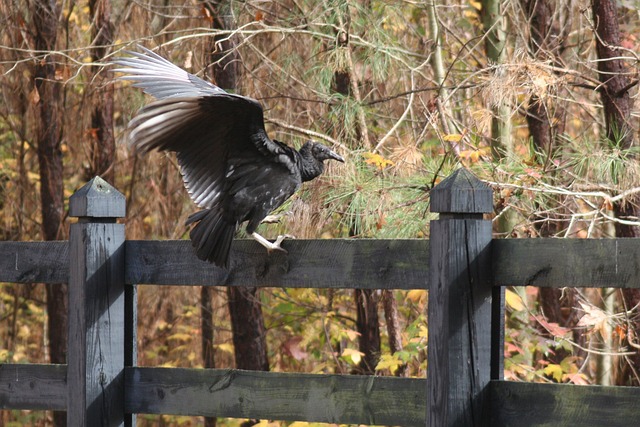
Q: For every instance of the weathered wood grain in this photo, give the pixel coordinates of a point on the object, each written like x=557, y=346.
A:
x=562, y=405
x=96, y=356
x=340, y=399
x=97, y=199
x=517, y=262
x=459, y=312
x=335, y=263
x=34, y=262
x=36, y=387
x=556, y=263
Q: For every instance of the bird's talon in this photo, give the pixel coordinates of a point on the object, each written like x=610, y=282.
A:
x=277, y=249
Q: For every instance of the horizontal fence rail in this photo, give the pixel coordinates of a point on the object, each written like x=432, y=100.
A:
x=32, y=386
x=164, y=391
x=334, y=263
x=559, y=263
x=341, y=399
x=554, y=263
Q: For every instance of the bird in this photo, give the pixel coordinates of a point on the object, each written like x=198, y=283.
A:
x=230, y=167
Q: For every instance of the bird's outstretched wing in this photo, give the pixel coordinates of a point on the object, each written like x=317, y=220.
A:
x=160, y=78
x=219, y=137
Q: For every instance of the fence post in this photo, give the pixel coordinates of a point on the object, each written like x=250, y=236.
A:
x=459, y=316
x=95, y=372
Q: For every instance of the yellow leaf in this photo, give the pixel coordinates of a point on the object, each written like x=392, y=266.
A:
x=513, y=300
x=377, y=160
x=180, y=337
x=476, y=4
x=554, y=371
x=354, y=355
x=352, y=334
x=227, y=348
x=453, y=137
x=424, y=332
x=389, y=361
x=416, y=295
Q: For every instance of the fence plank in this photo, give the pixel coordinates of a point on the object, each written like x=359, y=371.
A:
x=612, y=263
x=34, y=262
x=459, y=311
x=35, y=387
x=554, y=405
x=96, y=308
x=340, y=399
x=355, y=263
x=549, y=263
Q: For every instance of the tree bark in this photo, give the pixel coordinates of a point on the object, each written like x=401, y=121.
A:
x=46, y=14
x=393, y=327
x=368, y=326
x=613, y=73
x=248, y=328
x=494, y=22
x=101, y=138
x=206, y=323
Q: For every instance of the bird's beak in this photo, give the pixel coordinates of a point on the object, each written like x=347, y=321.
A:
x=335, y=156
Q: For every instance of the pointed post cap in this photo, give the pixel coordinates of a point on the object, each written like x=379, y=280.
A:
x=462, y=192
x=97, y=199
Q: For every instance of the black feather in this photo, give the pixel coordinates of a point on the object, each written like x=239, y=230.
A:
x=229, y=165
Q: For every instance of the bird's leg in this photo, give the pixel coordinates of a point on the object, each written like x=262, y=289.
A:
x=271, y=219
x=275, y=246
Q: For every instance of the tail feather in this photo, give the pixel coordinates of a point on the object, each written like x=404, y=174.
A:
x=212, y=236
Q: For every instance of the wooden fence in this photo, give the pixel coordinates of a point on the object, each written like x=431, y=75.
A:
x=464, y=270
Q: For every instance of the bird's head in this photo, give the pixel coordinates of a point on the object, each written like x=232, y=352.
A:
x=313, y=155
x=320, y=152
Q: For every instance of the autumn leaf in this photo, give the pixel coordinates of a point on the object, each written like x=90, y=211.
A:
x=353, y=354
x=553, y=328
x=292, y=348
x=513, y=300
x=453, y=137
x=594, y=318
x=416, y=295
x=576, y=378
x=377, y=160
x=554, y=371
x=474, y=155
x=476, y=4
x=389, y=361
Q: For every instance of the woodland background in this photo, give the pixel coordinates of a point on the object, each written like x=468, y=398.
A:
x=534, y=96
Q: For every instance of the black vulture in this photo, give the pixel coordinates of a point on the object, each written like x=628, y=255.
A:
x=230, y=167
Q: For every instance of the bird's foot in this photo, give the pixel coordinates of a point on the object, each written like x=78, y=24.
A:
x=273, y=219
x=275, y=246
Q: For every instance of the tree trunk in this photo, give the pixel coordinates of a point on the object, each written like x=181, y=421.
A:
x=547, y=37
x=494, y=22
x=613, y=73
x=101, y=139
x=393, y=327
x=345, y=80
x=617, y=105
x=49, y=136
x=368, y=326
x=247, y=324
x=206, y=323
x=546, y=122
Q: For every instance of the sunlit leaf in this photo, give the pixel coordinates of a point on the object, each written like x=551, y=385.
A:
x=513, y=300
x=453, y=137
x=353, y=354
x=554, y=371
